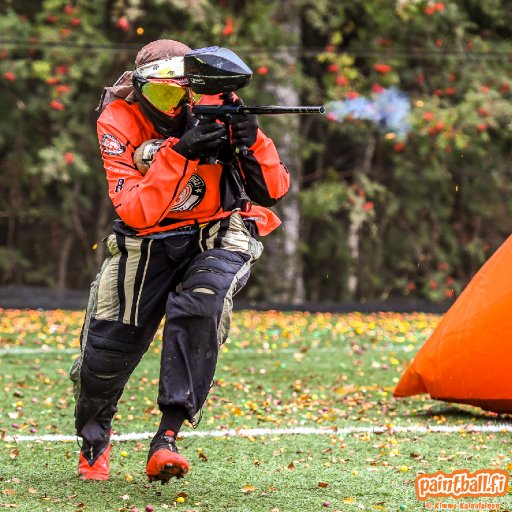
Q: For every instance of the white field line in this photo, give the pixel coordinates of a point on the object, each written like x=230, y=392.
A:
x=267, y=432
x=21, y=351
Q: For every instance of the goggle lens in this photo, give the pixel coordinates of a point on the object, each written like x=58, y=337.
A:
x=166, y=96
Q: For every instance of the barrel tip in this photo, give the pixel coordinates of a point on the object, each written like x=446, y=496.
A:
x=322, y=110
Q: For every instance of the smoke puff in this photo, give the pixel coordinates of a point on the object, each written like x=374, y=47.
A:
x=388, y=109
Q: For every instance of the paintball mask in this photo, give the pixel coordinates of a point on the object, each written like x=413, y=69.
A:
x=162, y=84
x=169, y=83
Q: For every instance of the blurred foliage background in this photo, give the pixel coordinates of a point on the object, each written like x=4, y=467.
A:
x=373, y=213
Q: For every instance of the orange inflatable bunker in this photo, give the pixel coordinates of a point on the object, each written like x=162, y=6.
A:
x=468, y=358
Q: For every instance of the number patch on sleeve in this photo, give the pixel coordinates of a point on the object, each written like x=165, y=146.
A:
x=119, y=185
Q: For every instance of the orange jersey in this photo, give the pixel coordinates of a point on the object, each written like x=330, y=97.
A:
x=177, y=192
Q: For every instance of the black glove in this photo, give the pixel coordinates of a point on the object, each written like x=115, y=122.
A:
x=201, y=141
x=244, y=128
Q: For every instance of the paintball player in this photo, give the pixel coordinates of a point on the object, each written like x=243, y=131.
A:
x=182, y=246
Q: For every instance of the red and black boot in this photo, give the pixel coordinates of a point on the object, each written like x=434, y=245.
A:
x=93, y=462
x=164, y=461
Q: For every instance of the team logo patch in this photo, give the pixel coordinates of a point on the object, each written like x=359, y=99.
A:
x=111, y=145
x=191, y=195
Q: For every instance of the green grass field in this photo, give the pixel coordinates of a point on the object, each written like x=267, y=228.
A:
x=277, y=371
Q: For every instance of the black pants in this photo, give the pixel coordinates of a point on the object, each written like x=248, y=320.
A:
x=189, y=279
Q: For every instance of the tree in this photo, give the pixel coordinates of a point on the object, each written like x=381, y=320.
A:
x=381, y=212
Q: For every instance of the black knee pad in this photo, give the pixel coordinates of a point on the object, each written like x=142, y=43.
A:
x=107, y=362
x=207, y=281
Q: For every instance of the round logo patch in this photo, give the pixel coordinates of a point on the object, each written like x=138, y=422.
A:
x=191, y=195
x=111, y=145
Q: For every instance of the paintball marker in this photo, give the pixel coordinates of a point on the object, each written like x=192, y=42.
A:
x=216, y=70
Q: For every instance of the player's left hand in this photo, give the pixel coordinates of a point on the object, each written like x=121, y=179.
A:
x=244, y=128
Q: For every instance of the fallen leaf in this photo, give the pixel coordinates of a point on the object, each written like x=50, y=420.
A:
x=203, y=457
x=248, y=488
x=14, y=453
x=323, y=484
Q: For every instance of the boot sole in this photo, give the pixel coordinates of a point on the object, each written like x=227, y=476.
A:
x=176, y=466
x=96, y=478
x=167, y=472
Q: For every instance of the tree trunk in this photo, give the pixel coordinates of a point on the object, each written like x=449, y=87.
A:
x=356, y=223
x=65, y=253
x=284, y=258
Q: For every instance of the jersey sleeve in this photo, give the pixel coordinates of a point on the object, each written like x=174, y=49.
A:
x=266, y=178
x=140, y=201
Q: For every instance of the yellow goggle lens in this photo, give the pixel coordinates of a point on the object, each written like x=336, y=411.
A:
x=166, y=96
x=163, y=96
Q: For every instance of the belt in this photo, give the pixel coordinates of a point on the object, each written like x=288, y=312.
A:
x=185, y=230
